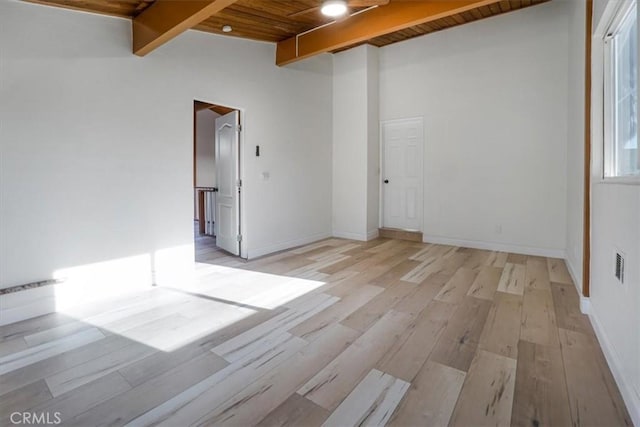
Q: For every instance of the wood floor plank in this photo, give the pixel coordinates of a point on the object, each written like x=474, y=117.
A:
x=405, y=358
x=593, y=396
x=392, y=255
x=349, y=303
x=513, y=279
x=296, y=411
x=423, y=270
x=365, y=316
x=72, y=378
x=123, y=408
x=266, y=393
x=31, y=355
x=431, y=398
x=497, y=259
x=238, y=346
x=283, y=266
x=394, y=273
x=23, y=399
x=85, y=397
x=486, y=397
x=540, y=396
x=353, y=257
x=58, y=332
x=191, y=404
x=502, y=329
x=160, y=362
x=372, y=402
x=423, y=294
x=40, y=370
x=458, y=286
x=446, y=265
x=12, y=346
x=459, y=341
x=325, y=242
x=537, y=274
x=386, y=246
x=567, y=309
x=517, y=259
x=333, y=383
x=486, y=283
x=558, y=271
x=318, y=265
x=538, y=324
x=431, y=251
x=477, y=259
x=329, y=252
x=393, y=267
x=35, y=325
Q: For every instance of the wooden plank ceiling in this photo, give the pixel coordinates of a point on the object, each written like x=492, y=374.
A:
x=278, y=20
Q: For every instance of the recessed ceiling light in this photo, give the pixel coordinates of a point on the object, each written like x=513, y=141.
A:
x=334, y=8
x=227, y=29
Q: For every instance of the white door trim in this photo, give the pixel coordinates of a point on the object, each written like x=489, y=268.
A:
x=382, y=170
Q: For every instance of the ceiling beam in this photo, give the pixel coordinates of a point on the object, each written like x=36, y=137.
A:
x=395, y=16
x=166, y=19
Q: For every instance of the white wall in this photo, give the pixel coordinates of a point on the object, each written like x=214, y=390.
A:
x=373, y=142
x=493, y=95
x=615, y=307
x=575, y=141
x=205, y=148
x=97, y=144
x=355, y=143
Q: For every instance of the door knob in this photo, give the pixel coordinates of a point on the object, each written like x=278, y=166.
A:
x=386, y=181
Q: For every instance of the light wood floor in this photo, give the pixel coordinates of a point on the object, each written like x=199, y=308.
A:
x=337, y=333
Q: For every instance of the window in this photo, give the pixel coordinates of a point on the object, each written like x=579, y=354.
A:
x=621, y=154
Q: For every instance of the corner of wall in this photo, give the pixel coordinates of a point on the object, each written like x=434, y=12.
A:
x=575, y=277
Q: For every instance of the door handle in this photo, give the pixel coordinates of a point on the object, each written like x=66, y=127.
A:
x=386, y=181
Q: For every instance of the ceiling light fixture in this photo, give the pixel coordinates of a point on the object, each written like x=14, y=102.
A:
x=334, y=8
x=227, y=29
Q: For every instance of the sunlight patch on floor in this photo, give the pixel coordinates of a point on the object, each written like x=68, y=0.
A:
x=117, y=297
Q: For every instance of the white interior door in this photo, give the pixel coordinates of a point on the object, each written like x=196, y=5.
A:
x=228, y=179
x=402, y=182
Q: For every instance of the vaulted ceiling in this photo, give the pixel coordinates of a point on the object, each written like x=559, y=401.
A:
x=283, y=21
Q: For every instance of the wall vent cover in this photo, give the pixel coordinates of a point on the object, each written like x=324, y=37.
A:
x=620, y=267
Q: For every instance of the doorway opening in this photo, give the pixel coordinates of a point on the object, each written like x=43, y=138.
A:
x=216, y=181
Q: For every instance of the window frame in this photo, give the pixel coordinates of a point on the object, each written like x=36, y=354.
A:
x=609, y=172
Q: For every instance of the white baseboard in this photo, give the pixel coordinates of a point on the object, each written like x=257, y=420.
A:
x=281, y=246
x=363, y=237
x=29, y=303
x=23, y=305
x=373, y=234
x=629, y=394
x=585, y=303
x=495, y=246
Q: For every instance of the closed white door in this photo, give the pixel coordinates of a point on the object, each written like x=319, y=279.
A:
x=402, y=182
x=227, y=174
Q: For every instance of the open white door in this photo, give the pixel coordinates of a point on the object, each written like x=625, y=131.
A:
x=402, y=159
x=228, y=179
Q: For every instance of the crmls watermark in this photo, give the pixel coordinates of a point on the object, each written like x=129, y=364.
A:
x=29, y=418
